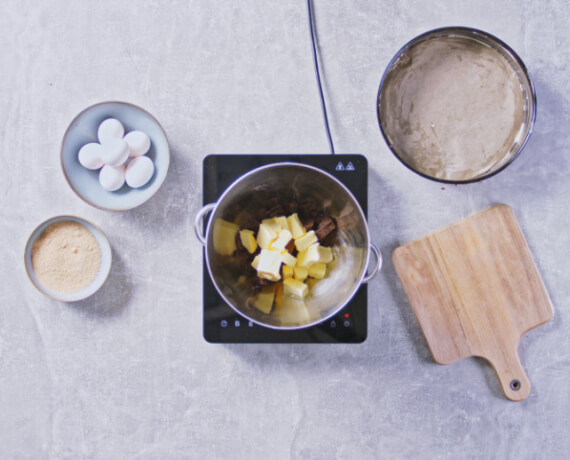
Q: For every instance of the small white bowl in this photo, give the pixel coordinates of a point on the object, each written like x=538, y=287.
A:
x=99, y=280
x=83, y=130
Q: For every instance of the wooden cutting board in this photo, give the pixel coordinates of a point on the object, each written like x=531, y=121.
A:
x=475, y=290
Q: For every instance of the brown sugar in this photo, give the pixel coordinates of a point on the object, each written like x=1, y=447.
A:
x=66, y=257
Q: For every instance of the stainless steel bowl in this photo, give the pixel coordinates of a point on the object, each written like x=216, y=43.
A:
x=456, y=105
x=352, y=246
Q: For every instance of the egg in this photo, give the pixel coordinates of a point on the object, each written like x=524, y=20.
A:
x=139, y=143
x=112, y=178
x=90, y=156
x=115, y=152
x=139, y=171
x=110, y=129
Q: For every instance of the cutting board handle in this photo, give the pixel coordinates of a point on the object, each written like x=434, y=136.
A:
x=512, y=377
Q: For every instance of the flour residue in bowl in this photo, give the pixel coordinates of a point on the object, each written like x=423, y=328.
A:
x=452, y=108
x=66, y=257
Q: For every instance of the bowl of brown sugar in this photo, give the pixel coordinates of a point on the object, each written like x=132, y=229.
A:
x=68, y=258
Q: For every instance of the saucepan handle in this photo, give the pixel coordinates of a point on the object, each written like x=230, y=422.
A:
x=198, y=222
x=377, y=265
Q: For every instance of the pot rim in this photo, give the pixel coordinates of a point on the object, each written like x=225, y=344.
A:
x=228, y=190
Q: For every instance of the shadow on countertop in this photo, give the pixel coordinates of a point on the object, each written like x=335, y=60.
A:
x=113, y=297
x=177, y=199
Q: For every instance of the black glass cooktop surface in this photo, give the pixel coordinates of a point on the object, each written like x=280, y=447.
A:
x=221, y=323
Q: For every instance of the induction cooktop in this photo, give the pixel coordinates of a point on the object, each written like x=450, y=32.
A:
x=221, y=323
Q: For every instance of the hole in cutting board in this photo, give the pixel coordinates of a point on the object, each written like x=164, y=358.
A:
x=515, y=385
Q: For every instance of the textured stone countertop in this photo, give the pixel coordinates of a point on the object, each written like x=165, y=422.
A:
x=126, y=374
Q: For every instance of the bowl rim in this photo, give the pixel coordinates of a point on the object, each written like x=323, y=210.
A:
x=67, y=131
x=93, y=287
x=209, y=233
x=465, y=31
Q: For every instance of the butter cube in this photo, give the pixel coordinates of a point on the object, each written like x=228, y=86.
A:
x=269, y=265
x=248, y=240
x=263, y=301
x=308, y=256
x=224, y=237
x=281, y=221
x=289, y=259
x=265, y=236
x=293, y=312
x=295, y=288
x=255, y=261
x=272, y=224
x=325, y=254
x=283, y=238
x=301, y=273
x=269, y=276
x=306, y=240
x=295, y=226
x=287, y=271
x=318, y=270
x=311, y=282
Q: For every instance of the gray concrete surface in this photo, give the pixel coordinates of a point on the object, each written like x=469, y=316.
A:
x=126, y=374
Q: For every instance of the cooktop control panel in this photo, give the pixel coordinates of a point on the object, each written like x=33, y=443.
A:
x=221, y=323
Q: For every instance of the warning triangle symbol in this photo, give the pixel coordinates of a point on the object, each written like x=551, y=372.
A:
x=350, y=166
x=339, y=166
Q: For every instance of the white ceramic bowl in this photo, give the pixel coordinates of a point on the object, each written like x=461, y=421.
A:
x=106, y=256
x=85, y=182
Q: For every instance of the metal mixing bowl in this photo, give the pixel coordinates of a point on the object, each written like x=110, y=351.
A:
x=419, y=145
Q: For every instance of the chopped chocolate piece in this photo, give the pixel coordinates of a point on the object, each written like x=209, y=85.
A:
x=248, y=270
x=243, y=260
x=309, y=208
x=292, y=207
x=239, y=244
x=309, y=223
x=325, y=227
x=260, y=215
x=275, y=211
x=250, y=222
x=290, y=246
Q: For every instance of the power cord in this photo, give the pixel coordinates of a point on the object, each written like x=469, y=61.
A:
x=318, y=75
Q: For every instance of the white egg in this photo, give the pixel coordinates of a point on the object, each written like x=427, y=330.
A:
x=112, y=178
x=139, y=171
x=139, y=143
x=90, y=156
x=109, y=129
x=115, y=152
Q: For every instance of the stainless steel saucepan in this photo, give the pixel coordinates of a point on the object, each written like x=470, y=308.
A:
x=351, y=243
